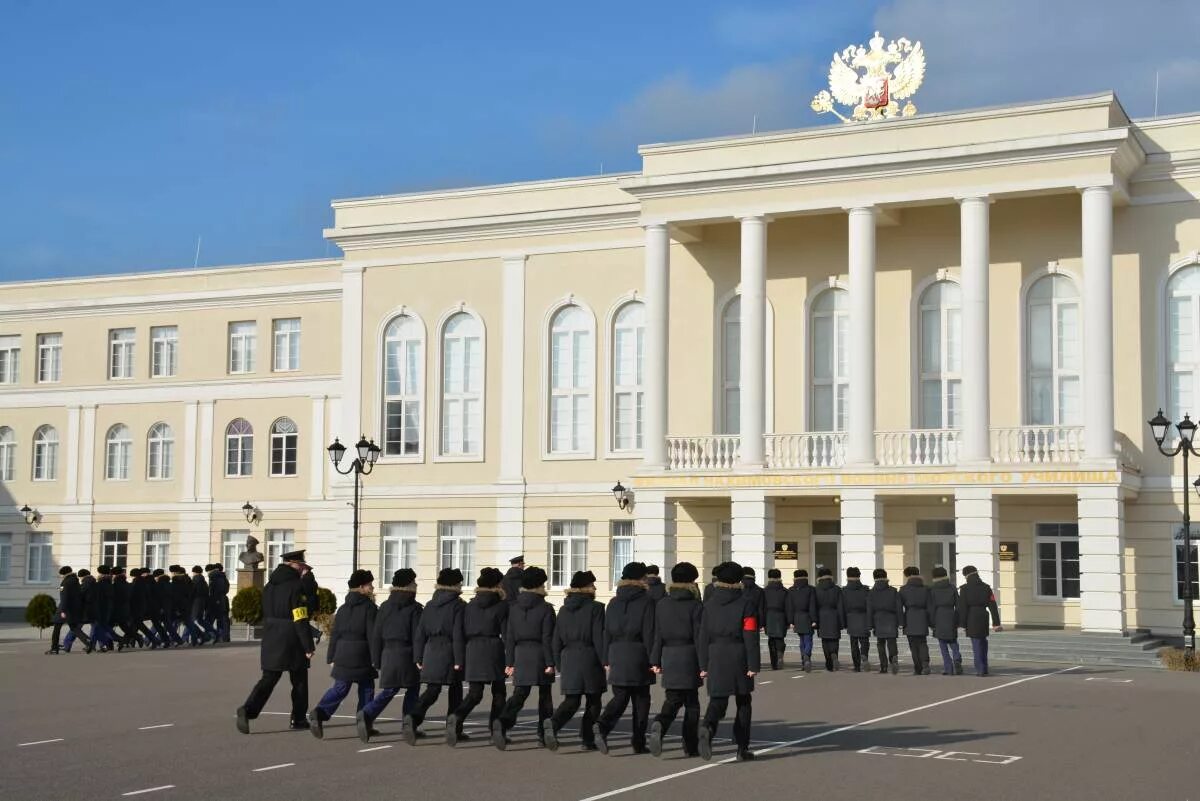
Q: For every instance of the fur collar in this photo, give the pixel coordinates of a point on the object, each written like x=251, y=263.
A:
x=536, y=591
x=450, y=587
x=498, y=590
x=720, y=585
x=580, y=591
x=410, y=588
x=689, y=587
x=632, y=583
x=825, y=578
x=775, y=581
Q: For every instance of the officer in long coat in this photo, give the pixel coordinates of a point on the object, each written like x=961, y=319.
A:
x=883, y=618
x=628, y=636
x=654, y=584
x=579, y=658
x=858, y=629
x=728, y=648
x=391, y=644
x=484, y=621
x=529, y=654
x=69, y=612
x=943, y=615
x=440, y=650
x=775, y=624
x=512, y=579
x=914, y=618
x=976, y=602
x=802, y=614
x=287, y=644
x=675, y=658
x=349, y=651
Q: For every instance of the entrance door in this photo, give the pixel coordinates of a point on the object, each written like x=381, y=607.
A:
x=935, y=546
x=827, y=547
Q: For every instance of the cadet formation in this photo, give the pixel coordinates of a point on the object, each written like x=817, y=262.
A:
x=649, y=632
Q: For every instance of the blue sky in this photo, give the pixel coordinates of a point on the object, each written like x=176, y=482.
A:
x=127, y=129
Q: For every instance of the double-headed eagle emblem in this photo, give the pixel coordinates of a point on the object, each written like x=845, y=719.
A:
x=874, y=93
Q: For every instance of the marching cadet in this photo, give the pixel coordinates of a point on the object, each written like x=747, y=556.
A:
x=441, y=651
x=104, y=609
x=218, y=594
x=831, y=616
x=181, y=604
x=775, y=623
x=391, y=642
x=69, y=612
x=628, y=636
x=287, y=644
x=802, y=615
x=674, y=657
x=579, y=658
x=120, y=609
x=943, y=613
x=654, y=585
x=883, y=617
x=728, y=650
x=975, y=602
x=529, y=654
x=512, y=579
x=854, y=601
x=199, y=607
x=349, y=651
x=87, y=597
x=708, y=588
x=164, y=609
x=754, y=594
x=484, y=621
x=139, y=605
x=914, y=617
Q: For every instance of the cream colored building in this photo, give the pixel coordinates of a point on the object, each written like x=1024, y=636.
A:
x=915, y=341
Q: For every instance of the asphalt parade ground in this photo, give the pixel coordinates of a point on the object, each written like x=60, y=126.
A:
x=160, y=725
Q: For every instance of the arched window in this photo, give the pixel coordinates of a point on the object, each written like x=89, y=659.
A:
x=403, y=348
x=45, y=454
x=1053, y=352
x=285, y=441
x=628, y=343
x=118, y=453
x=239, y=448
x=571, y=369
x=8, y=454
x=160, y=452
x=462, y=386
x=731, y=366
x=940, y=333
x=830, y=363
x=1183, y=362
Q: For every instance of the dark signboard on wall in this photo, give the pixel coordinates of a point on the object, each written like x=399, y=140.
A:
x=785, y=552
x=1008, y=551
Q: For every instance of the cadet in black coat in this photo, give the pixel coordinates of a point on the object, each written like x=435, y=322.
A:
x=943, y=614
x=883, y=618
x=120, y=609
x=164, y=606
x=349, y=651
x=754, y=594
x=484, y=620
x=831, y=616
x=914, y=617
x=391, y=643
x=802, y=615
x=287, y=644
x=138, y=607
x=198, y=611
x=654, y=584
x=441, y=651
x=858, y=626
x=775, y=624
x=181, y=604
x=512, y=579
x=103, y=629
x=579, y=658
x=218, y=600
x=69, y=612
x=729, y=658
x=529, y=654
x=628, y=637
x=675, y=657
x=976, y=602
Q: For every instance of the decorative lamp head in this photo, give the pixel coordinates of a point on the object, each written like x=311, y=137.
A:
x=621, y=494
x=336, y=451
x=1159, y=426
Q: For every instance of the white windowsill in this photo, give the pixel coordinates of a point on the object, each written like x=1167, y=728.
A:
x=580, y=456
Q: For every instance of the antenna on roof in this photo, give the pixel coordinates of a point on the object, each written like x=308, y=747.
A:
x=196, y=261
x=754, y=125
x=1156, y=94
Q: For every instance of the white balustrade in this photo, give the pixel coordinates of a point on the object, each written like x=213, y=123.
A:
x=934, y=447
x=1037, y=444
x=813, y=449
x=705, y=452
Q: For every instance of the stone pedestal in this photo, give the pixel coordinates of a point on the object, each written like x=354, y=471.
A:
x=251, y=578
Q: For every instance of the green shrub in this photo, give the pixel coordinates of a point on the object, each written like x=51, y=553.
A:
x=40, y=612
x=247, y=606
x=1178, y=659
x=326, y=601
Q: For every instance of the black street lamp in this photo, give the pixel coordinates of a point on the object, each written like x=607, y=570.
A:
x=364, y=462
x=622, y=496
x=1187, y=430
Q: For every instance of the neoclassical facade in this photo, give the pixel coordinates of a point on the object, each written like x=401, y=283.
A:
x=932, y=340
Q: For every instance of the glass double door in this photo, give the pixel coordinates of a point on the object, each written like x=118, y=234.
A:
x=935, y=547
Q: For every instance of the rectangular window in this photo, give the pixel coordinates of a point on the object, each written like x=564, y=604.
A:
x=114, y=548
x=1057, y=558
x=935, y=546
x=49, y=358
x=621, y=549
x=8, y=455
x=10, y=359
x=5, y=556
x=243, y=339
x=568, y=550
x=164, y=351
x=399, y=548
x=39, y=562
x=279, y=542
x=1180, y=565
x=120, y=352
x=457, y=544
x=287, y=344
x=233, y=542
x=827, y=547
x=156, y=544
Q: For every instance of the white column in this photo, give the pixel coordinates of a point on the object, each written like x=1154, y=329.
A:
x=1101, y=551
x=860, y=439
x=654, y=528
x=1098, y=421
x=72, y=477
x=655, y=355
x=975, y=525
x=862, y=531
x=753, y=334
x=87, y=454
x=352, y=311
x=512, y=370
x=204, y=467
x=188, y=484
x=752, y=535
x=318, y=456
x=975, y=445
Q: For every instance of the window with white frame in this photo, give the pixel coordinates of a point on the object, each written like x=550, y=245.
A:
x=49, y=358
x=621, y=548
x=239, y=448
x=1057, y=560
x=160, y=452
x=399, y=547
x=45, y=454
x=731, y=366
x=628, y=344
x=940, y=333
x=286, y=333
x=1053, y=345
x=233, y=542
x=456, y=543
x=1183, y=331
x=114, y=548
x=164, y=351
x=8, y=454
x=1181, y=565
x=568, y=550
x=5, y=556
x=571, y=370
x=403, y=360
x=39, y=558
x=118, y=450
x=827, y=547
x=279, y=542
x=243, y=344
x=156, y=547
x=120, y=352
x=285, y=442
x=10, y=359
x=725, y=542
x=830, y=360
x=462, y=386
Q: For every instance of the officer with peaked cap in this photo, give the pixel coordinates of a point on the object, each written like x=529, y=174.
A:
x=729, y=658
x=512, y=579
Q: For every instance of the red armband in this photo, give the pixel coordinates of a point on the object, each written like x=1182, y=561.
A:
x=749, y=624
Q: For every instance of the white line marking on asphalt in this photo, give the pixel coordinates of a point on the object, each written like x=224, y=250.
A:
x=828, y=733
x=159, y=726
x=150, y=790
x=764, y=683
x=1115, y=681
x=40, y=742
x=799, y=676
x=376, y=748
x=274, y=767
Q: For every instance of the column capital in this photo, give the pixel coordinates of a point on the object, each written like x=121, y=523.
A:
x=1105, y=188
x=353, y=268
x=656, y=225
x=861, y=209
x=968, y=198
x=514, y=258
x=756, y=217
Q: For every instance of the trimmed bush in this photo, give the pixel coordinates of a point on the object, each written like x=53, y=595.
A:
x=326, y=601
x=40, y=612
x=247, y=606
x=1178, y=659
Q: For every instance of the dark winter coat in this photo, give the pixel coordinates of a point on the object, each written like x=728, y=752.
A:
x=104, y=601
x=802, y=606
x=728, y=646
x=287, y=635
x=350, y=639
x=831, y=614
x=883, y=610
x=677, y=621
x=629, y=635
x=139, y=598
x=754, y=594
x=120, y=600
x=914, y=607
x=976, y=602
x=89, y=598
x=440, y=643
x=392, y=641
x=181, y=596
x=943, y=609
x=775, y=607
x=199, y=605
x=579, y=644
x=162, y=605
x=70, y=600
x=309, y=584
x=529, y=642
x=512, y=584
x=655, y=588
x=218, y=594
x=854, y=604
x=484, y=620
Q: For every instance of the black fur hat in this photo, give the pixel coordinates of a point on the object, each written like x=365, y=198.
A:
x=802, y=573
x=64, y=570
x=822, y=572
x=748, y=572
x=773, y=573
x=158, y=571
x=730, y=573
x=968, y=570
x=404, y=577
x=532, y=578
x=853, y=572
x=83, y=571
x=912, y=570
x=684, y=573
x=584, y=578
x=878, y=573
x=450, y=577
x=104, y=570
x=634, y=571
x=358, y=578
x=197, y=569
x=651, y=570
x=489, y=577
x=940, y=572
